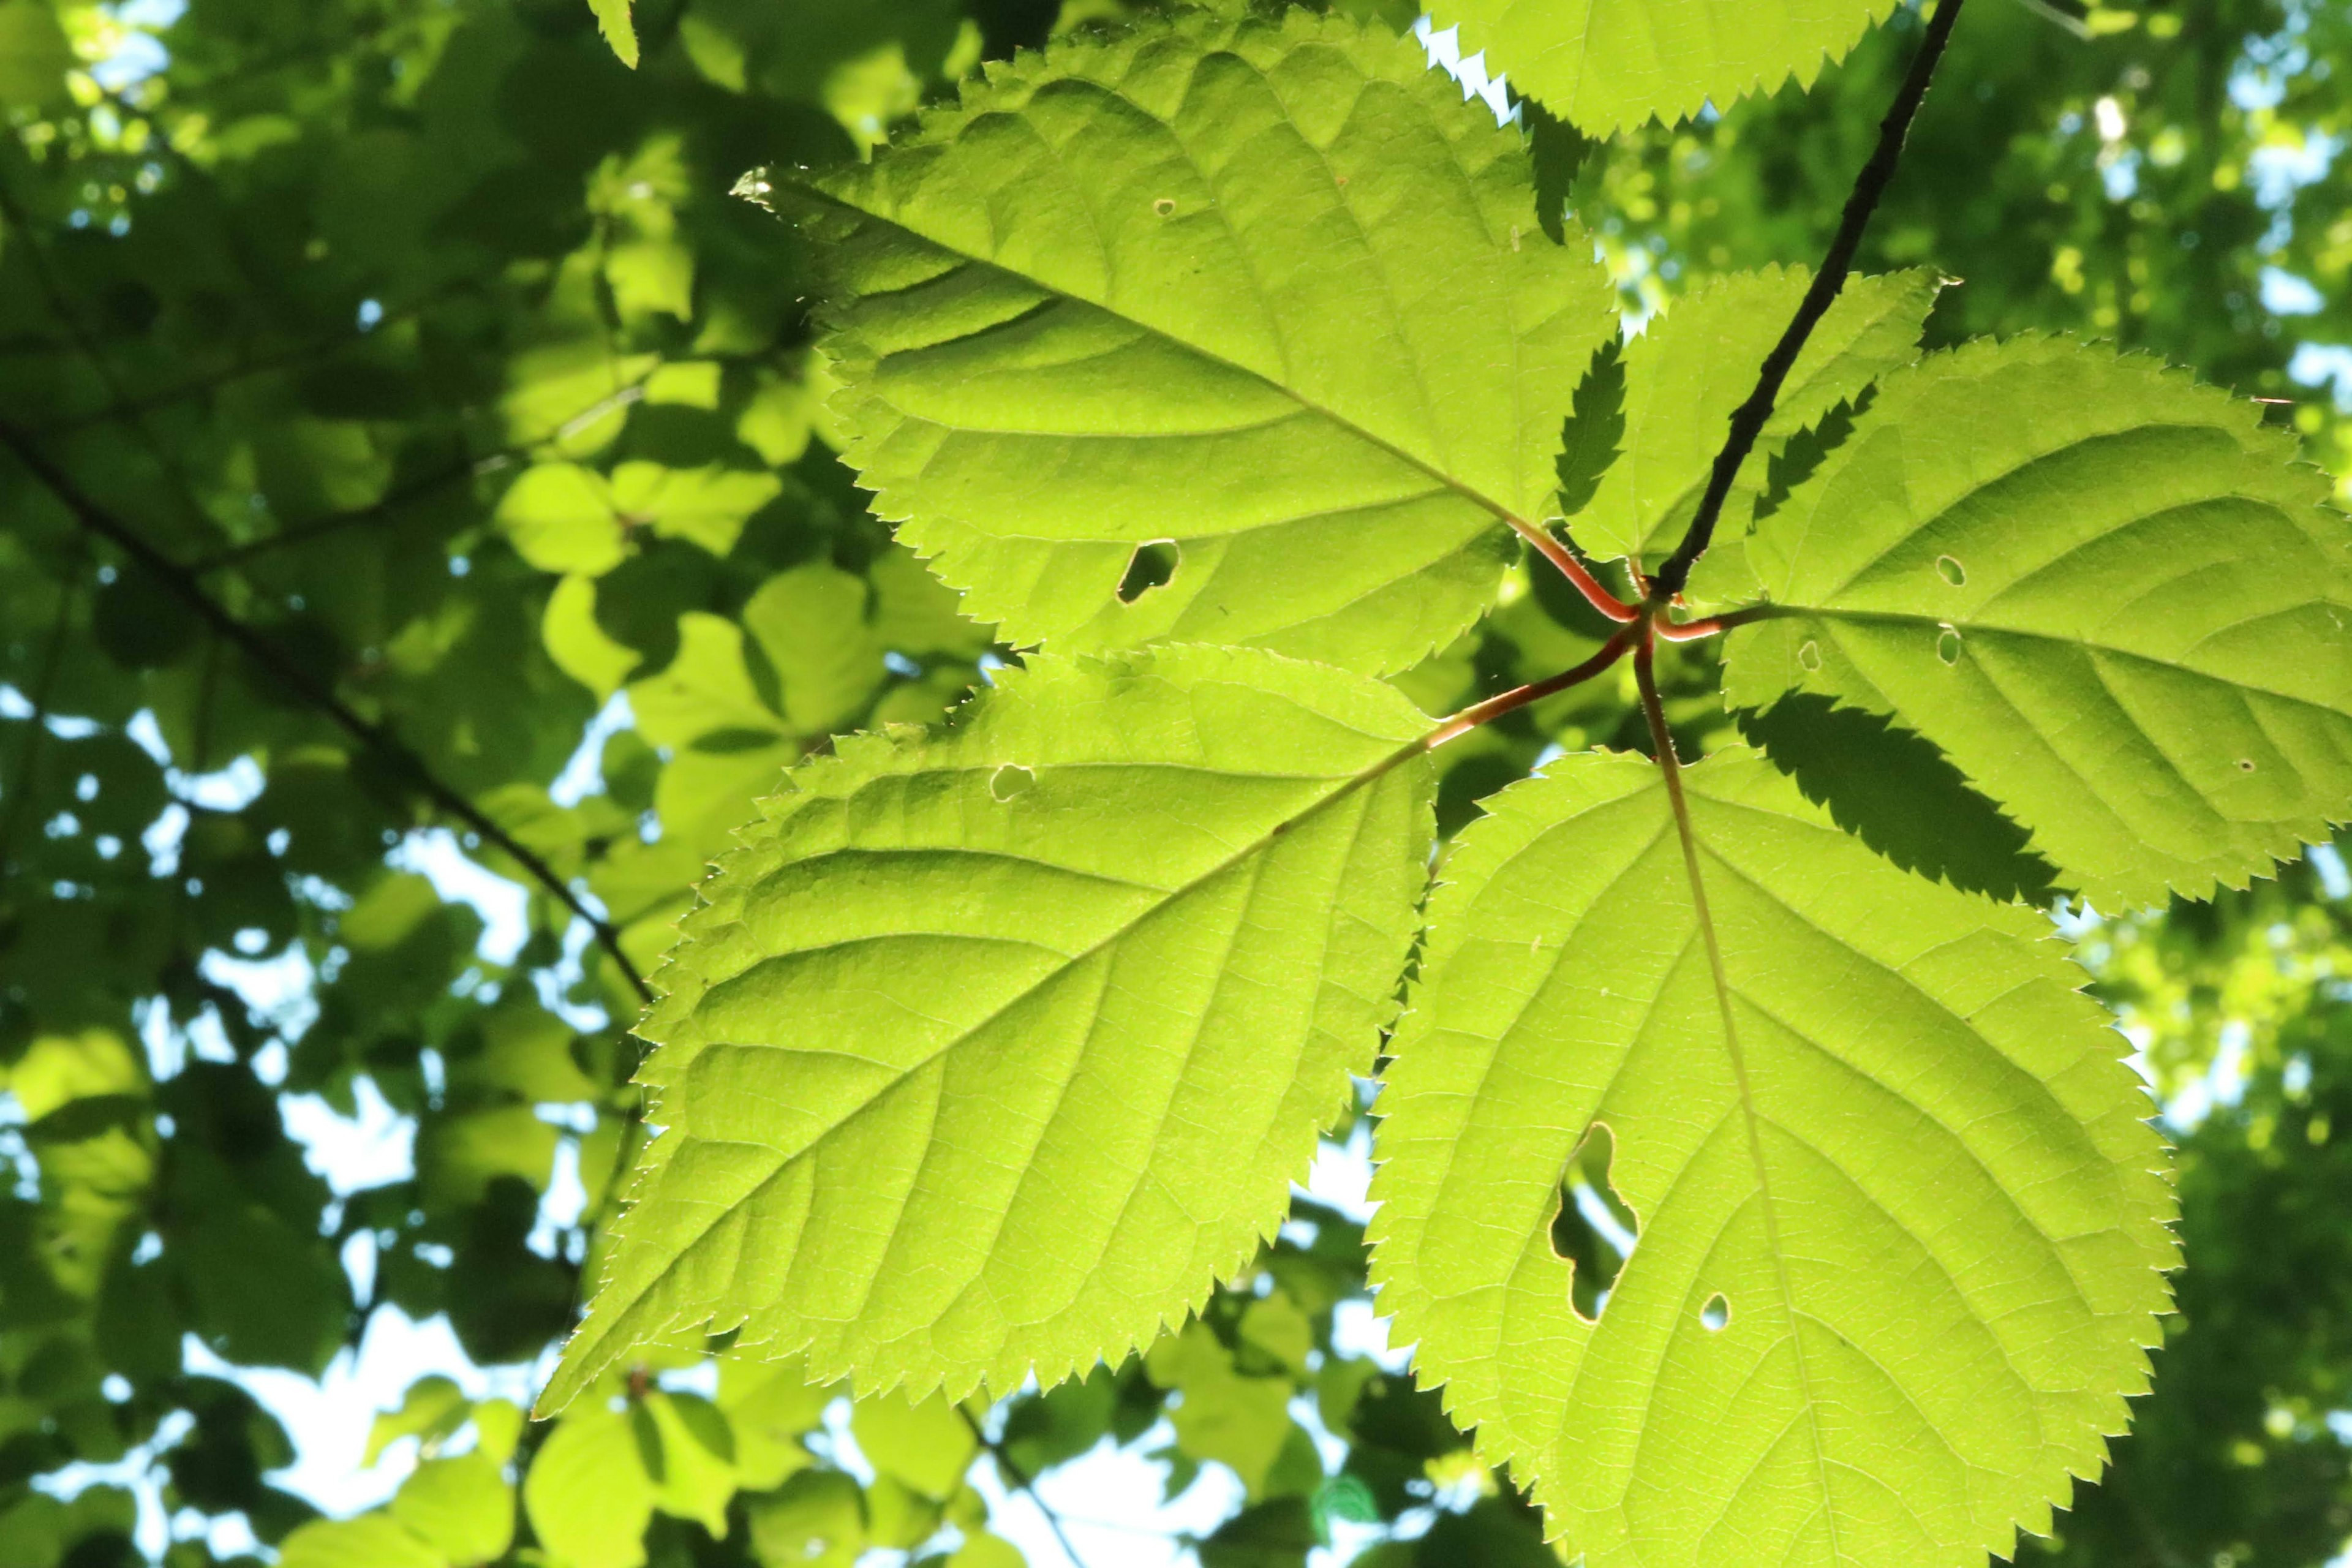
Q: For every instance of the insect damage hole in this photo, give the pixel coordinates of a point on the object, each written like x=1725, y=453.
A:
x=1951, y=571
x=2245, y=764
x=1809, y=654
x=1717, y=1314
x=1593, y=1231
x=1948, y=645
x=1165, y=207
x=1152, y=564
x=1011, y=780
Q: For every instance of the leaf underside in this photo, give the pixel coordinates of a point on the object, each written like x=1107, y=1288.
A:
x=989, y=1050
x=1269, y=292
x=1611, y=64
x=2105, y=593
x=1911, y=1170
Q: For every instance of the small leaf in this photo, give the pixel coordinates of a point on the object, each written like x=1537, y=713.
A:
x=370, y=1540
x=1267, y=290
x=614, y=21
x=934, y=1124
x=2108, y=595
x=461, y=1505
x=1610, y=65
x=1887, y=1131
x=925, y=1444
x=1683, y=376
x=432, y=1409
x=588, y=1494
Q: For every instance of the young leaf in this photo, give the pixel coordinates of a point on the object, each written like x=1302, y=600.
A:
x=1901, y=1222
x=1270, y=292
x=1610, y=65
x=1684, y=375
x=1593, y=436
x=990, y=1049
x=2105, y=593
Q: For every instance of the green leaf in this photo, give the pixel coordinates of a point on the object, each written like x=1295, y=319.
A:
x=371, y=1540
x=1686, y=375
x=433, y=1408
x=461, y=1505
x=1267, y=292
x=1089, y=970
x=1239, y=1421
x=2105, y=593
x=588, y=1495
x=925, y=1444
x=579, y=646
x=815, y=1521
x=1610, y=65
x=1595, y=431
x=560, y=517
x=698, y=1471
x=1902, y=1223
x=810, y=622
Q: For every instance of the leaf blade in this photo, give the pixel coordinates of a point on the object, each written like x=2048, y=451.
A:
x=1056, y=921
x=1967, y=1204
x=2106, y=594
x=1265, y=291
x=1611, y=64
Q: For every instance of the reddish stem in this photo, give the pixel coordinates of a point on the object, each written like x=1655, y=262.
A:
x=1494, y=708
x=1692, y=631
x=1559, y=555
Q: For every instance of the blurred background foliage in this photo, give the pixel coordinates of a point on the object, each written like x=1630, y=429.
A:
x=420, y=541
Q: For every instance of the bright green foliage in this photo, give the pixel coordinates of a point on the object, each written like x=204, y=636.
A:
x=1053, y=1001
x=613, y=19
x=461, y=1505
x=1902, y=1225
x=2100, y=590
x=1268, y=292
x=1610, y=65
x=1690, y=368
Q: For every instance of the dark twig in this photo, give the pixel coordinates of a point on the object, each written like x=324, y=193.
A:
x=1024, y=1481
x=1748, y=421
x=311, y=688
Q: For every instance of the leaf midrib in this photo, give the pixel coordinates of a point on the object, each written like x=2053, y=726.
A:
x=1446, y=480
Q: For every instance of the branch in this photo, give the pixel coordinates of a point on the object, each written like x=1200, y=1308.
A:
x=1748, y=420
x=1021, y=1480
x=311, y=688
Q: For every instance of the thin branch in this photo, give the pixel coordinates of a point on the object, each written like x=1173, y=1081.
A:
x=1494, y=708
x=1021, y=1480
x=311, y=688
x=1714, y=626
x=1748, y=421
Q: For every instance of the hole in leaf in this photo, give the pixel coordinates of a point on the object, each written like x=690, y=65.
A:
x=1716, y=1313
x=1809, y=654
x=1947, y=646
x=1165, y=207
x=1152, y=564
x=1593, y=1231
x=1951, y=571
x=1010, y=779
x=2245, y=764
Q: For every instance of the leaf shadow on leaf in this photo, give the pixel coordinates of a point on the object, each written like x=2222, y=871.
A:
x=1891, y=788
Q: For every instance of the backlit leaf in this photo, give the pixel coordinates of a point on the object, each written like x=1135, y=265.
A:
x=1609, y=65
x=1088, y=972
x=1901, y=1222
x=1269, y=292
x=2107, y=594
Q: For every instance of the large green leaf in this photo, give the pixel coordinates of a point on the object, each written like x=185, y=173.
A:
x=989, y=1050
x=1696, y=363
x=1889, y=1138
x=1270, y=291
x=1609, y=65
x=2105, y=593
